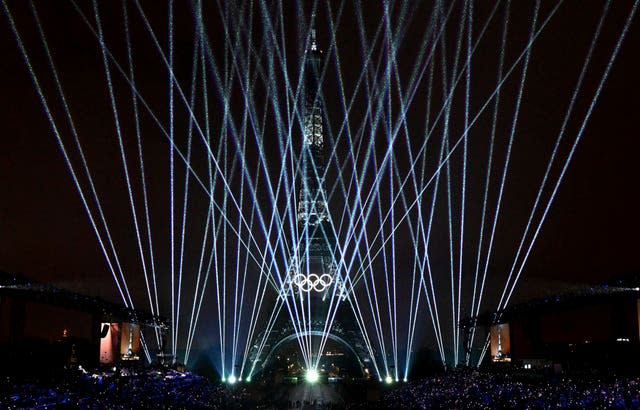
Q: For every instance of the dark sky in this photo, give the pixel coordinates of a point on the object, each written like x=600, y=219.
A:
x=590, y=235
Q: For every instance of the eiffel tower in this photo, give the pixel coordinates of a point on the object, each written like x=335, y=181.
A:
x=312, y=281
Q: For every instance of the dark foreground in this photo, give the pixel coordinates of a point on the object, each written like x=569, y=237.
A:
x=160, y=388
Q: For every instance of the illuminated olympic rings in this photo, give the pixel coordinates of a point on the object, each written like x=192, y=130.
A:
x=313, y=282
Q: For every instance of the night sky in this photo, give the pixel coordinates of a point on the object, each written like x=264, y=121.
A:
x=590, y=235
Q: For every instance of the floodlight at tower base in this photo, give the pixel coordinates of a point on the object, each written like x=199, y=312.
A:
x=312, y=376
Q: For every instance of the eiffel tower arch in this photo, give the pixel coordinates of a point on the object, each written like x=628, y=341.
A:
x=261, y=354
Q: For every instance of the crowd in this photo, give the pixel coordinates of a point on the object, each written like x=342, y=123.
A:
x=468, y=389
x=149, y=388
x=162, y=388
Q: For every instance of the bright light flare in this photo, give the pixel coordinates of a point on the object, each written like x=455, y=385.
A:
x=312, y=376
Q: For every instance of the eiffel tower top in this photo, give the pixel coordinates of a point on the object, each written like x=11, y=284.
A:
x=314, y=44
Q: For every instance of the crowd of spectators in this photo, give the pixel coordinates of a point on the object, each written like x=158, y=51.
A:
x=163, y=388
x=148, y=388
x=469, y=389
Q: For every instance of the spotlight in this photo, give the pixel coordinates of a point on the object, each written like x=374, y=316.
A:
x=249, y=379
x=312, y=376
x=224, y=380
x=232, y=379
x=404, y=380
x=388, y=380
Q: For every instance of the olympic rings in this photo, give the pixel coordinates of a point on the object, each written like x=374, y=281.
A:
x=314, y=282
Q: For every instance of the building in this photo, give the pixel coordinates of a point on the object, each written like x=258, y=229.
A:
x=42, y=327
x=594, y=329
